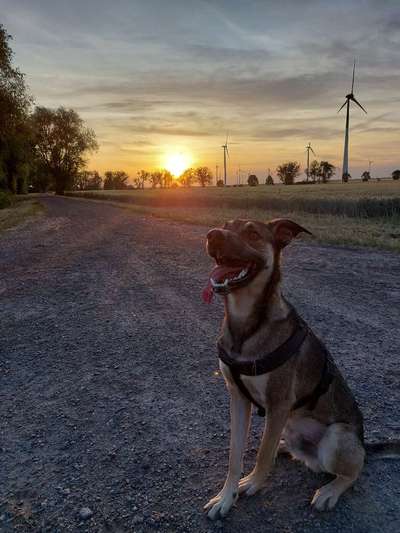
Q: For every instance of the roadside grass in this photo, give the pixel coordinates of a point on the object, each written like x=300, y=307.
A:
x=382, y=233
x=21, y=210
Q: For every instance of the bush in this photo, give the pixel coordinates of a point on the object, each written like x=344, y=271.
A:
x=5, y=199
x=252, y=180
x=396, y=174
x=220, y=183
x=269, y=180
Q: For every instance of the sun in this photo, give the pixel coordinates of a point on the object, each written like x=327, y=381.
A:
x=177, y=163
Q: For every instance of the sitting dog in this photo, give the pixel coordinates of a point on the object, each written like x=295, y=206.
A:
x=270, y=358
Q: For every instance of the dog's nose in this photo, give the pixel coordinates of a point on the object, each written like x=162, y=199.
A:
x=215, y=236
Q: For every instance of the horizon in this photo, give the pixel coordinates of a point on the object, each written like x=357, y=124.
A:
x=273, y=77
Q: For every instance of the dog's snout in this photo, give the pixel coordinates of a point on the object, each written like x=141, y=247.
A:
x=215, y=236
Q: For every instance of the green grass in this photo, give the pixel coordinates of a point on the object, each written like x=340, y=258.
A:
x=21, y=210
x=214, y=206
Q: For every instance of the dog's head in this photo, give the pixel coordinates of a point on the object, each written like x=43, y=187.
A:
x=242, y=249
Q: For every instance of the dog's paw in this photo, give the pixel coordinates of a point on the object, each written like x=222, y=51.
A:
x=325, y=498
x=220, y=505
x=251, y=484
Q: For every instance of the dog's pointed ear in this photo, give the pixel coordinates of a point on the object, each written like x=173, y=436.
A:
x=285, y=230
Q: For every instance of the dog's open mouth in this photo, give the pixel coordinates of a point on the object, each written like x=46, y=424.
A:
x=229, y=274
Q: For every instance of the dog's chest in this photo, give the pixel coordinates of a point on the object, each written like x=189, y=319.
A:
x=256, y=385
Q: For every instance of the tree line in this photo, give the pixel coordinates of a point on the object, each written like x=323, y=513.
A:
x=43, y=147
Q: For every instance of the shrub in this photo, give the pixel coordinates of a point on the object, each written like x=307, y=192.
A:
x=220, y=183
x=269, y=180
x=252, y=180
x=5, y=199
x=396, y=174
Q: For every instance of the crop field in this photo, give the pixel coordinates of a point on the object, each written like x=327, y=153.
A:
x=363, y=214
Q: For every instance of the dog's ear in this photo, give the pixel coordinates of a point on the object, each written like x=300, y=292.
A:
x=285, y=230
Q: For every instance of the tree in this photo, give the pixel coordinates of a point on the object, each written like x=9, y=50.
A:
x=315, y=170
x=188, y=177
x=166, y=178
x=346, y=177
x=155, y=178
x=15, y=139
x=365, y=176
x=115, y=180
x=61, y=140
x=220, y=183
x=252, y=180
x=142, y=177
x=288, y=172
x=396, y=174
x=269, y=180
x=88, y=180
x=203, y=176
x=326, y=171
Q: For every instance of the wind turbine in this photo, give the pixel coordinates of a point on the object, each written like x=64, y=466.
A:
x=226, y=153
x=349, y=97
x=308, y=148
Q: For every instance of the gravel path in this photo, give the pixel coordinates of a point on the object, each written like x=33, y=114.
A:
x=112, y=416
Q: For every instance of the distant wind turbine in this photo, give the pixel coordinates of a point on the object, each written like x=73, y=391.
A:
x=226, y=153
x=349, y=97
x=308, y=148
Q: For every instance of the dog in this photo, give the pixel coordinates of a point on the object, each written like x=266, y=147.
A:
x=271, y=358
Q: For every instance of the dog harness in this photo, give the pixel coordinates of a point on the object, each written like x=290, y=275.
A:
x=275, y=359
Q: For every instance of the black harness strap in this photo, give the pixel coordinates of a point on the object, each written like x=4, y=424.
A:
x=273, y=360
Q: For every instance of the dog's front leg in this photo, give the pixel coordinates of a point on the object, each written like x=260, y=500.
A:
x=273, y=428
x=240, y=418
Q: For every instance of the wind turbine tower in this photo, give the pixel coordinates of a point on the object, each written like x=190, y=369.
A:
x=349, y=97
x=226, y=154
x=308, y=148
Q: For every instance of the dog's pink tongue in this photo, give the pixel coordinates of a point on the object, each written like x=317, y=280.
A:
x=219, y=273
x=208, y=293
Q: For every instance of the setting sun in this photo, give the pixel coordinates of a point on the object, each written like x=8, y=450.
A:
x=177, y=163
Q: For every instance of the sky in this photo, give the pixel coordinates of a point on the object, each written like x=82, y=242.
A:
x=155, y=78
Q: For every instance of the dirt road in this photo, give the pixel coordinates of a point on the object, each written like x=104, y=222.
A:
x=108, y=396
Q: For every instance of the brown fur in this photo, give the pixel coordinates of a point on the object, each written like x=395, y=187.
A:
x=258, y=320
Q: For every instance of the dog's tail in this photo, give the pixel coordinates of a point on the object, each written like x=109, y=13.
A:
x=384, y=449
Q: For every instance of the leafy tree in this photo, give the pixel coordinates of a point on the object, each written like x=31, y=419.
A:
x=115, y=180
x=61, y=140
x=15, y=140
x=220, y=183
x=396, y=174
x=88, y=180
x=346, y=177
x=203, y=176
x=326, y=171
x=269, y=180
x=315, y=170
x=288, y=172
x=188, y=177
x=365, y=176
x=141, y=178
x=166, y=178
x=155, y=178
x=252, y=180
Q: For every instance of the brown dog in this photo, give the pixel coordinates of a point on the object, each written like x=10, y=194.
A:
x=269, y=357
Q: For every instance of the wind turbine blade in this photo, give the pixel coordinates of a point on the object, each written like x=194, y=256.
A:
x=359, y=105
x=352, y=83
x=313, y=151
x=227, y=153
x=227, y=135
x=342, y=106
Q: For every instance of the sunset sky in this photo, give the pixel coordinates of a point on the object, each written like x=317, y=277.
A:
x=158, y=77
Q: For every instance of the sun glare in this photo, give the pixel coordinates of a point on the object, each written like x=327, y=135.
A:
x=177, y=163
